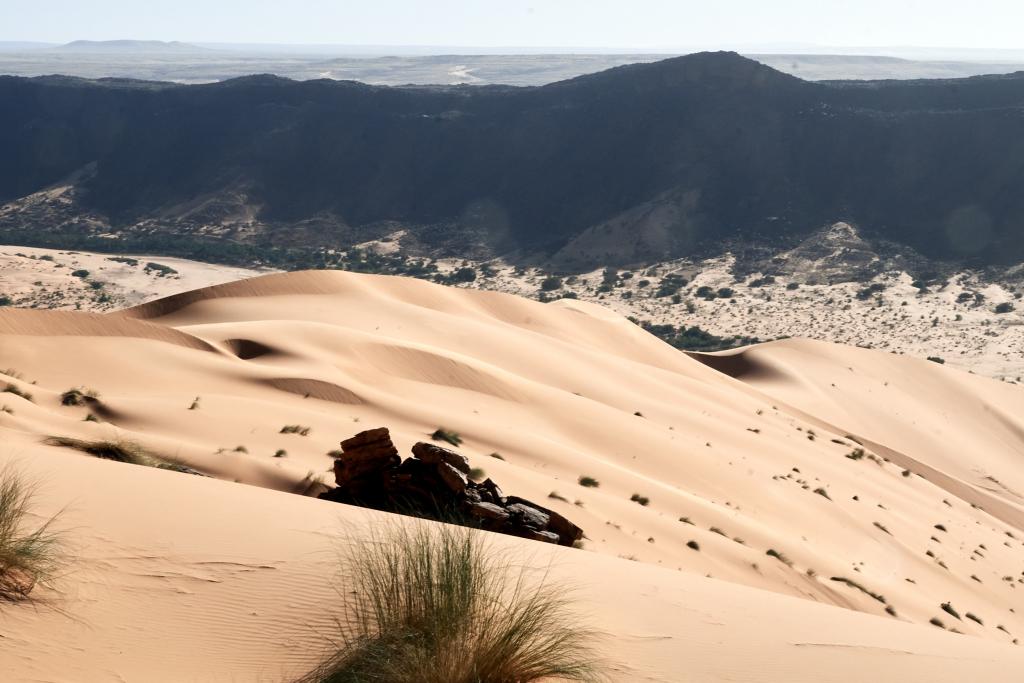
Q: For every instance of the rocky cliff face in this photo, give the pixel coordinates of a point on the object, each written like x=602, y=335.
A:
x=646, y=161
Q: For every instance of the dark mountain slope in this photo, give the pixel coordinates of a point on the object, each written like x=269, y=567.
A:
x=673, y=155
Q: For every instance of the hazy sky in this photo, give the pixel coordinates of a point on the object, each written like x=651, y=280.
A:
x=647, y=24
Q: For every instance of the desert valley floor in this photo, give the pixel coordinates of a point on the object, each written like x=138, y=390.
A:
x=816, y=512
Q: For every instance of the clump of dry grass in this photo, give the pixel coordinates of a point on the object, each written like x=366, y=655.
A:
x=120, y=450
x=296, y=429
x=12, y=388
x=28, y=556
x=436, y=605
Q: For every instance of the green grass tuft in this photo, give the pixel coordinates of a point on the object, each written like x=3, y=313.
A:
x=434, y=604
x=28, y=556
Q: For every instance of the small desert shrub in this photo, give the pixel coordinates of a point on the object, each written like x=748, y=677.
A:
x=589, y=482
x=974, y=619
x=685, y=520
x=280, y=453
x=435, y=604
x=240, y=449
x=950, y=610
x=693, y=545
x=121, y=450
x=642, y=500
x=160, y=269
x=497, y=456
x=779, y=556
x=295, y=429
x=13, y=389
x=77, y=397
x=856, y=454
x=28, y=556
x=477, y=473
x=716, y=530
x=935, y=621
x=195, y=404
x=442, y=434
x=336, y=453
x=853, y=584
x=882, y=527
x=555, y=495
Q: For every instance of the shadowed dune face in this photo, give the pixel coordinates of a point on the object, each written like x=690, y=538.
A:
x=248, y=349
x=738, y=365
x=803, y=470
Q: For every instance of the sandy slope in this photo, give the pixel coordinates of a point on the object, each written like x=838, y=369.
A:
x=213, y=581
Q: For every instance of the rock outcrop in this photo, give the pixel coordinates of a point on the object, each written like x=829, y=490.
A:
x=435, y=484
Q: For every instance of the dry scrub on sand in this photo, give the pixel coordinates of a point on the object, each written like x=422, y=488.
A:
x=27, y=557
x=120, y=450
x=434, y=604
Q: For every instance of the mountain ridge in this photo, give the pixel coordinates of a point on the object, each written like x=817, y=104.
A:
x=761, y=155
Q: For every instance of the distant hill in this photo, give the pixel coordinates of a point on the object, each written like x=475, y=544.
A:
x=22, y=45
x=645, y=161
x=128, y=47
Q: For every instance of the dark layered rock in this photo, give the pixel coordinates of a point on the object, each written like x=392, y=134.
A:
x=435, y=484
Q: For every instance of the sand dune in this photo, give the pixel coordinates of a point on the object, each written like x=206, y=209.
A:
x=189, y=578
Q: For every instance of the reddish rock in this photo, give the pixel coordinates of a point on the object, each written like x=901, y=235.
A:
x=428, y=452
x=488, y=511
x=434, y=484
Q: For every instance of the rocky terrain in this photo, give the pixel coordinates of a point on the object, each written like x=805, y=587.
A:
x=834, y=286
x=563, y=175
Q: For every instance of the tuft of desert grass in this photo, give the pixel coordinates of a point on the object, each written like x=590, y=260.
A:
x=30, y=554
x=12, y=388
x=296, y=429
x=120, y=450
x=435, y=604
x=447, y=435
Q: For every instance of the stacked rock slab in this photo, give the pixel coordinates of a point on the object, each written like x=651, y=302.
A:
x=435, y=484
